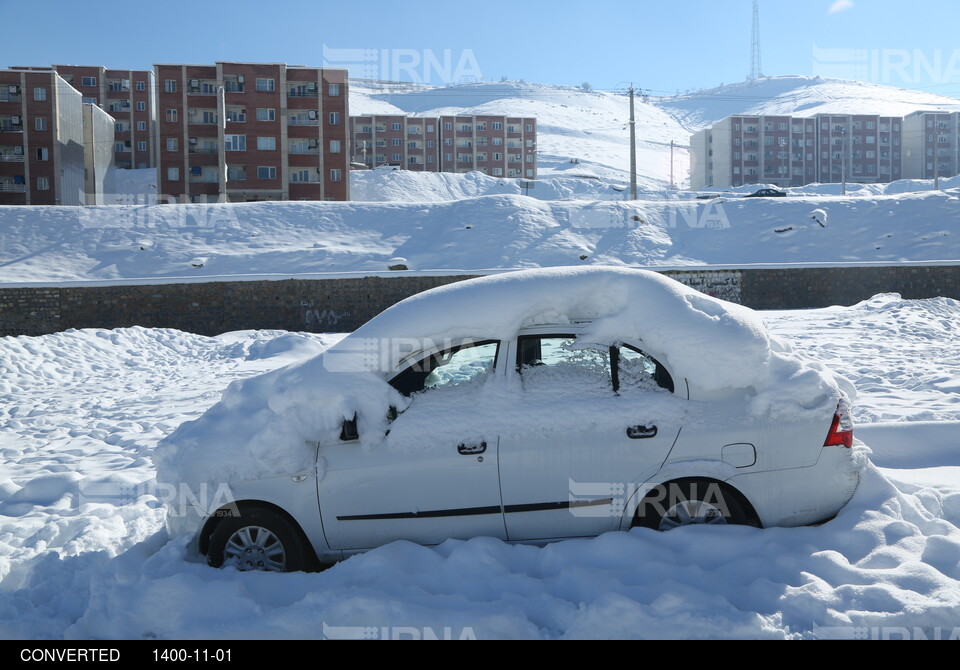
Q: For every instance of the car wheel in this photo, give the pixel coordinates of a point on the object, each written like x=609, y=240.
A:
x=257, y=539
x=691, y=502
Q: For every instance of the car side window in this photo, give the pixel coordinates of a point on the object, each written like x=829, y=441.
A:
x=453, y=367
x=637, y=370
x=555, y=361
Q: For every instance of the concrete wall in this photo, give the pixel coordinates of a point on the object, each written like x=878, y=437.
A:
x=342, y=305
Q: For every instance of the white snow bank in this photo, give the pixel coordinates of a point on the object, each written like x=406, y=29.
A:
x=262, y=426
x=890, y=559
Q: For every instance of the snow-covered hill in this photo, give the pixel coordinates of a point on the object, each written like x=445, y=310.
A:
x=591, y=127
x=62, y=244
x=799, y=96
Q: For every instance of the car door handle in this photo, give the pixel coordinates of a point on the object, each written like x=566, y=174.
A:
x=641, y=432
x=472, y=449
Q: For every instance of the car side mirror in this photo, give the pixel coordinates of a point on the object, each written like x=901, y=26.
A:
x=349, y=432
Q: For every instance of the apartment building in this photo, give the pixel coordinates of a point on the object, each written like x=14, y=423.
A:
x=795, y=151
x=867, y=149
x=129, y=96
x=499, y=146
x=252, y=131
x=41, y=139
x=932, y=144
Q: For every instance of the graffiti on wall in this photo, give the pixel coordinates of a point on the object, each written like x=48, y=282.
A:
x=724, y=285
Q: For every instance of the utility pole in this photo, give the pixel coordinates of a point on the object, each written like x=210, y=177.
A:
x=222, y=149
x=671, y=164
x=843, y=159
x=633, y=148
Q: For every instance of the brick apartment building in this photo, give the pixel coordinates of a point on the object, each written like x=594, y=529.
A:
x=130, y=97
x=275, y=132
x=793, y=151
x=499, y=146
x=41, y=139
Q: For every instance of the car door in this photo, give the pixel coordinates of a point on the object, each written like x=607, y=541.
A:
x=600, y=421
x=434, y=476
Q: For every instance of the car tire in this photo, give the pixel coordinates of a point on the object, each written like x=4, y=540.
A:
x=689, y=502
x=257, y=539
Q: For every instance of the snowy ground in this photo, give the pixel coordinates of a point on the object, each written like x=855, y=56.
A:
x=504, y=231
x=85, y=408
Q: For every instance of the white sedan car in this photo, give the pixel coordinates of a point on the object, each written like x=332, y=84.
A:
x=529, y=407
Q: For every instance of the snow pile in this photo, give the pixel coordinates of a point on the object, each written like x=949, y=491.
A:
x=923, y=333
x=263, y=425
x=889, y=560
x=286, y=239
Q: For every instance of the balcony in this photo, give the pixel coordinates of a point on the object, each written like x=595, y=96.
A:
x=307, y=90
x=12, y=188
x=202, y=87
x=11, y=158
x=303, y=121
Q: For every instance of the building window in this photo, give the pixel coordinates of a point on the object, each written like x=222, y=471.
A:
x=529, y=127
x=333, y=90
x=334, y=146
x=43, y=154
x=395, y=126
x=448, y=126
x=266, y=144
x=43, y=183
x=141, y=106
x=170, y=86
x=396, y=142
x=119, y=147
x=141, y=146
x=40, y=93
x=40, y=123
x=336, y=175
x=496, y=125
x=266, y=114
x=173, y=174
x=267, y=172
x=141, y=86
x=396, y=158
x=334, y=118
x=141, y=125
x=171, y=116
x=265, y=85
x=88, y=81
x=300, y=176
x=172, y=144
x=234, y=142
x=236, y=173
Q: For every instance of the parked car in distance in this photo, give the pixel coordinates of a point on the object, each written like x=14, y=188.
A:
x=768, y=193
x=529, y=407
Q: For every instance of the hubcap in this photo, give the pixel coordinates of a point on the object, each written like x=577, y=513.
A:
x=255, y=548
x=691, y=513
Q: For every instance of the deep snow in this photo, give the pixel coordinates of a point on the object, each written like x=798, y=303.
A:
x=64, y=244
x=81, y=560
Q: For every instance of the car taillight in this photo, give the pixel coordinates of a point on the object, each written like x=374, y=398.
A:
x=841, y=430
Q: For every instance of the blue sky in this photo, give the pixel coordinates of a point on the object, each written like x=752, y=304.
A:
x=661, y=46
